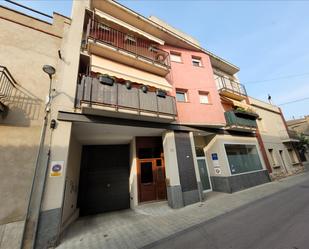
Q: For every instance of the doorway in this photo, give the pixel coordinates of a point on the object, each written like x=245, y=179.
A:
x=151, y=179
x=283, y=161
x=104, y=179
x=204, y=174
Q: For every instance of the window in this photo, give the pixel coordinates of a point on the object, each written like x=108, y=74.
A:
x=204, y=97
x=292, y=155
x=176, y=57
x=181, y=96
x=196, y=61
x=243, y=158
x=272, y=158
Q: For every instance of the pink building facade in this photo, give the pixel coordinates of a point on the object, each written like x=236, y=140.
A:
x=201, y=105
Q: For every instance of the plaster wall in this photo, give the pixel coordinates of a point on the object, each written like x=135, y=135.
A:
x=72, y=181
x=170, y=158
x=273, y=132
x=64, y=101
x=194, y=79
x=26, y=45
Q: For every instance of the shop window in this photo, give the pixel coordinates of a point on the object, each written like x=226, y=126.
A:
x=243, y=158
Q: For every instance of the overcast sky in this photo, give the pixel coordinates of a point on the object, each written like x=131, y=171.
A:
x=268, y=40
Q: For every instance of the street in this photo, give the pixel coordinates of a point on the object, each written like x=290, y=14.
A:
x=279, y=221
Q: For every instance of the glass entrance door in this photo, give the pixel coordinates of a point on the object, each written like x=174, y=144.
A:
x=204, y=174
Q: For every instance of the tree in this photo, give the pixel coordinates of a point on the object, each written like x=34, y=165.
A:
x=303, y=145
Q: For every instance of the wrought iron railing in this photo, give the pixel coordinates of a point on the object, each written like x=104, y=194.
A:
x=7, y=84
x=118, y=96
x=127, y=42
x=224, y=83
x=239, y=121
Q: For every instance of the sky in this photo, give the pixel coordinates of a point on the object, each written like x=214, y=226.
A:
x=267, y=40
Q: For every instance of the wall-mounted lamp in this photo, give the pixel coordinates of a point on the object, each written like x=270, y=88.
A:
x=128, y=84
x=144, y=88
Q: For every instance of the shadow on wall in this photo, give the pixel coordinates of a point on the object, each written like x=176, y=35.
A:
x=23, y=107
x=16, y=173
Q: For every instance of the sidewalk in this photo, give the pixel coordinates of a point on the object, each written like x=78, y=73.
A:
x=131, y=229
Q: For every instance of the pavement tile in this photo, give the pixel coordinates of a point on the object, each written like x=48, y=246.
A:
x=130, y=229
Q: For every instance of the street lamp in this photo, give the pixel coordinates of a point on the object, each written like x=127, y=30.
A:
x=35, y=199
x=50, y=70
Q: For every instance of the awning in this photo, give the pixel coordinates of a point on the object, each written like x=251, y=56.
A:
x=104, y=66
x=238, y=104
x=128, y=26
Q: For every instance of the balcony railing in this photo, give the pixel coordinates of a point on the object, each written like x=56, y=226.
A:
x=120, y=98
x=7, y=83
x=234, y=120
x=134, y=45
x=230, y=85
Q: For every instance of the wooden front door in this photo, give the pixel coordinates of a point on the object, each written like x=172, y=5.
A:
x=151, y=179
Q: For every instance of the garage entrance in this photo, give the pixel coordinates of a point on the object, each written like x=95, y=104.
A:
x=104, y=179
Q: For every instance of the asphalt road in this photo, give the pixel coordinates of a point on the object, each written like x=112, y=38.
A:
x=279, y=221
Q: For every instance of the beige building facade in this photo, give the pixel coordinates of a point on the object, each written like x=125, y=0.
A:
x=111, y=135
x=278, y=141
x=301, y=126
x=26, y=45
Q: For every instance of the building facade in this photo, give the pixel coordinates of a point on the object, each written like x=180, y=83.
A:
x=139, y=112
x=279, y=142
x=27, y=44
x=301, y=127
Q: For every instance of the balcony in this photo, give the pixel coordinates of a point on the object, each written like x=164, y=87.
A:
x=124, y=100
x=240, y=121
x=230, y=88
x=109, y=42
x=288, y=136
x=7, y=85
